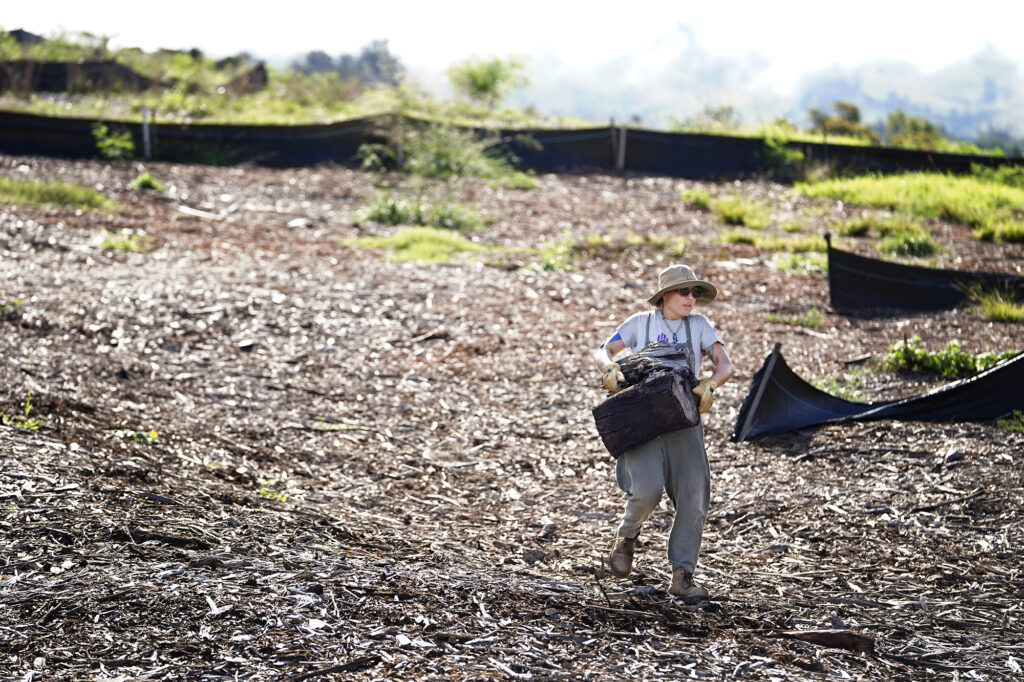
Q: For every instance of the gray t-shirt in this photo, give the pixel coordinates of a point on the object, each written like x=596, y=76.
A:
x=633, y=332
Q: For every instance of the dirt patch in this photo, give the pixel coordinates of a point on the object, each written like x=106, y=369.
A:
x=375, y=469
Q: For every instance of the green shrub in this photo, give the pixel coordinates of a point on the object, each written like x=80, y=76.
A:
x=146, y=181
x=442, y=151
x=738, y=211
x=115, y=145
x=781, y=161
x=950, y=362
x=387, y=209
x=15, y=191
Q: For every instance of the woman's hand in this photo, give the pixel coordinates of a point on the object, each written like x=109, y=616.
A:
x=612, y=377
x=705, y=390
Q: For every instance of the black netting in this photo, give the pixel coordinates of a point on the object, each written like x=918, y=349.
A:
x=780, y=401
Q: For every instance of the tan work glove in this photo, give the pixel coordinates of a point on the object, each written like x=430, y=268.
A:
x=612, y=377
x=705, y=389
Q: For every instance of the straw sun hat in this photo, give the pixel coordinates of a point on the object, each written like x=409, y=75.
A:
x=681, y=277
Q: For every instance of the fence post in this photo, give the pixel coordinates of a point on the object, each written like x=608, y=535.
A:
x=145, y=131
x=620, y=162
x=615, y=141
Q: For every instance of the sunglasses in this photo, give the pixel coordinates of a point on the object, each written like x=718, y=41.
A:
x=695, y=291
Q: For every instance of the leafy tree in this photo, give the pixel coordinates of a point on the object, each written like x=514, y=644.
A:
x=912, y=132
x=845, y=121
x=375, y=64
x=487, y=81
x=713, y=119
x=314, y=62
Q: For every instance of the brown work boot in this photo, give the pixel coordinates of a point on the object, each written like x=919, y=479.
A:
x=621, y=558
x=683, y=586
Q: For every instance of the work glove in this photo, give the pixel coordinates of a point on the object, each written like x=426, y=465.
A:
x=705, y=390
x=612, y=377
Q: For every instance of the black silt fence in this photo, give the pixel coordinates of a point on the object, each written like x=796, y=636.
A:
x=633, y=150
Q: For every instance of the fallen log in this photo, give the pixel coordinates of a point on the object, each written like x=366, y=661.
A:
x=645, y=411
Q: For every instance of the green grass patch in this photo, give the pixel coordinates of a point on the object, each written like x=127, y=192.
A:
x=147, y=437
x=908, y=242
x=698, y=198
x=1014, y=422
x=850, y=388
x=55, y=192
x=24, y=420
x=518, y=180
x=992, y=208
x=769, y=242
x=812, y=318
x=997, y=305
x=738, y=211
x=881, y=224
x=388, y=209
x=949, y=362
x=267, y=491
x=806, y=263
x=1000, y=231
x=126, y=241
x=421, y=243
x=146, y=181
x=11, y=310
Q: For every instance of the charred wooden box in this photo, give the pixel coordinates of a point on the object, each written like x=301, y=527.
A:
x=646, y=410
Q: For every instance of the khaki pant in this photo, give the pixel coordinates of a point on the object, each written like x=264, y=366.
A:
x=674, y=463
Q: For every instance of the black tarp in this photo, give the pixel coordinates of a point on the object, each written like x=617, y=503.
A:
x=857, y=283
x=780, y=401
x=646, y=152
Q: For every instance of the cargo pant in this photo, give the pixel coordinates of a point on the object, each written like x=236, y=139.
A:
x=675, y=463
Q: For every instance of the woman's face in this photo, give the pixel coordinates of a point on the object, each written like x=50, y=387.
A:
x=676, y=304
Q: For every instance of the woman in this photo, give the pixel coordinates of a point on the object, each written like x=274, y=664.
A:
x=676, y=462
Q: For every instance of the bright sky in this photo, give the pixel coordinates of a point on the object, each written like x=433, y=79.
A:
x=791, y=37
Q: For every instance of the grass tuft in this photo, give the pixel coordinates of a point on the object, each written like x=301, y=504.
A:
x=738, y=211
x=997, y=305
x=146, y=181
x=420, y=243
x=126, y=241
x=388, y=209
x=908, y=242
x=812, y=318
x=56, y=192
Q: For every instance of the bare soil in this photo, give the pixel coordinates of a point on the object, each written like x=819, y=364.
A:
x=370, y=469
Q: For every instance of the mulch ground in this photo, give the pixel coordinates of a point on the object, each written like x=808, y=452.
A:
x=369, y=469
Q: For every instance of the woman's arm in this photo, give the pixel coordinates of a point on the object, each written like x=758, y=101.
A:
x=605, y=354
x=723, y=365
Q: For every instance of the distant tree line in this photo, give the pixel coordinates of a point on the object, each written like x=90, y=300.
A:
x=374, y=65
